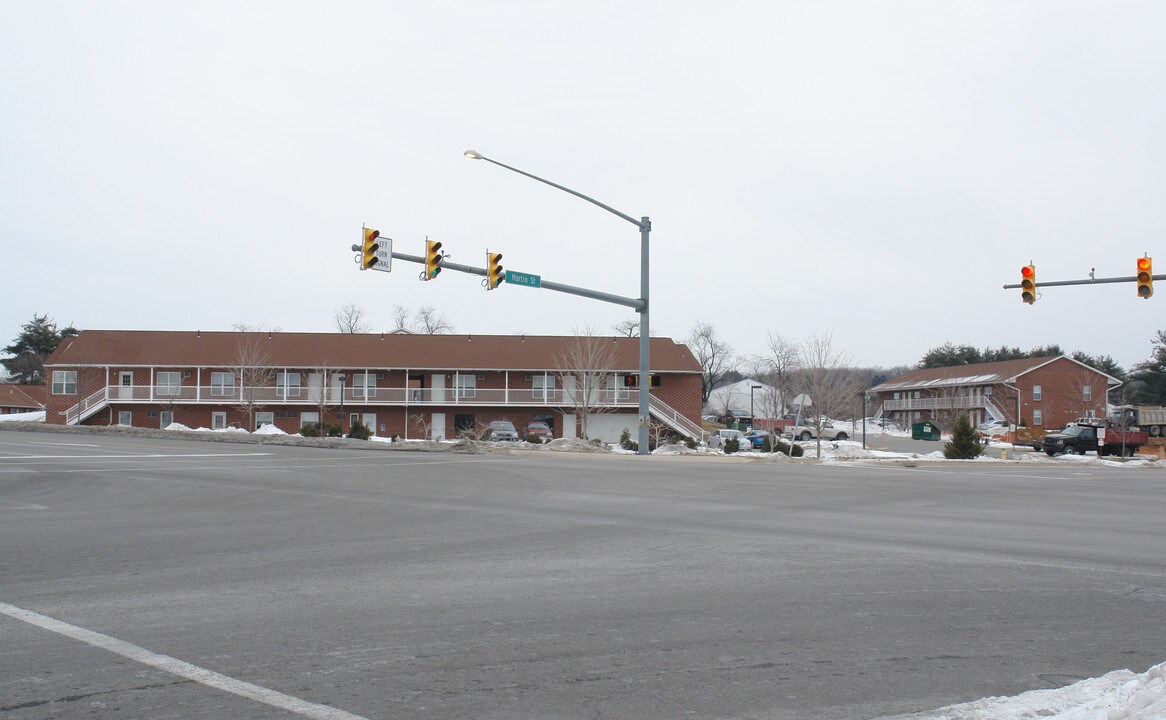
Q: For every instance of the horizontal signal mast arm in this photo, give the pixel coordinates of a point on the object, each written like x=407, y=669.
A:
x=634, y=303
x=1096, y=281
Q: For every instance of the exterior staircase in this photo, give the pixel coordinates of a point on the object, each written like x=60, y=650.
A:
x=90, y=405
x=673, y=419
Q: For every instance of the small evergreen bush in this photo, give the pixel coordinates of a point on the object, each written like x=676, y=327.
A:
x=963, y=445
x=360, y=431
x=732, y=445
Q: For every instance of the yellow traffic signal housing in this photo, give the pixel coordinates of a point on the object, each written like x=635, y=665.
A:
x=432, y=259
x=369, y=247
x=495, y=273
x=1145, y=277
x=1028, y=283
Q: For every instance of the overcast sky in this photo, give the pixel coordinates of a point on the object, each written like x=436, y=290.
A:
x=874, y=170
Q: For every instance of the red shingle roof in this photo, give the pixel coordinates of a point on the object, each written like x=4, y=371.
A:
x=166, y=348
x=22, y=396
x=967, y=375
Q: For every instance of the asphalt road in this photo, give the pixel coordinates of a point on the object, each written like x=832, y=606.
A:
x=172, y=579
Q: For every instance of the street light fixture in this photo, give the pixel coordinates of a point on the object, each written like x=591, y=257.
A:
x=645, y=226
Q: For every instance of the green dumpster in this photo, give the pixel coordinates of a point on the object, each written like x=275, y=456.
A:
x=924, y=431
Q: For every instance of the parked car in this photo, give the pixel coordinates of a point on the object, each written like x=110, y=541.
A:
x=757, y=437
x=994, y=427
x=540, y=430
x=501, y=431
x=718, y=437
x=809, y=432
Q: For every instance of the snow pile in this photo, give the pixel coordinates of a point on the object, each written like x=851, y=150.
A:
x=575, y=445
x=177, y=426
x=1119, y=695
x=37, y=416
x=268, y=430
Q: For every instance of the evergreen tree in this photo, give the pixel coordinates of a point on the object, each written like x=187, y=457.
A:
x=963, y=445
x=1149, y=377
x=36, y=341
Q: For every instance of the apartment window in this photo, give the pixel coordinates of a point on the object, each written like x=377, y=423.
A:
x=64, y=382
x=466, y=386
x=166, y=418
x=1037, y=417
x=125, y=418
x=287, y=385
x=619, y=387
x=167, y=383
x=544, y=387
x=309, y=418
x=222, y=383
x=218, y=421
x=1036, y=392
x=364, y=385
x=264, y=418
x=1087, y=393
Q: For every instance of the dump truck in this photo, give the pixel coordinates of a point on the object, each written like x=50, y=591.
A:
x=1149, y=418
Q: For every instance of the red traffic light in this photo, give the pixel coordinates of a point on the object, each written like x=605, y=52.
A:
x=1028, y=283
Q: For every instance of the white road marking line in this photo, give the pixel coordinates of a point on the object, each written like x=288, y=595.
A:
x=179, y=667
x=130, y=457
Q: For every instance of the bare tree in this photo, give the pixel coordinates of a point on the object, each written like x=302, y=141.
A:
x=427, y=320
x=586, y=372
x=627, y=328
x=256, y=377
x=430, y=321
x=352, y=319
x=715, y=357
x=401, y=318
x=826, y=377
x=776, y=367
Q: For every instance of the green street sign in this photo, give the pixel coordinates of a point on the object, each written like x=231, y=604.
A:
x=517, y=278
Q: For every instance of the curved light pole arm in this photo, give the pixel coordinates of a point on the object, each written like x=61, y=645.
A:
x=478, y=156
x=645, y=226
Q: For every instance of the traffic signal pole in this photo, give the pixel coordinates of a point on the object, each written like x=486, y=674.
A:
x=634, y=303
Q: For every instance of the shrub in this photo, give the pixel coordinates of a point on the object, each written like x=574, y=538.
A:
x=310, y=430
x=534, y=439
x=732, y=445
x=963, y=445
x=360, y=431
x=790, y=450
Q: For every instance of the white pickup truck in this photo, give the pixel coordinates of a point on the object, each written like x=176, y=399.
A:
x=809, y=432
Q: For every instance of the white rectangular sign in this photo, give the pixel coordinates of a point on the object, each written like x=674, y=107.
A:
x=384, y=255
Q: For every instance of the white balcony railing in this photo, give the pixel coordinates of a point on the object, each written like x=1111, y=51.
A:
x=937, y=403
x=220, y=395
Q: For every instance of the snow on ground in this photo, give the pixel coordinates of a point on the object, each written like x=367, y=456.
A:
x=1119, y=695
x=38, y=416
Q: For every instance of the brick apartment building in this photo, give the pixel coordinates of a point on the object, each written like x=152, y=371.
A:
x=414, y=386
x=1042, y=392
x=21, y=398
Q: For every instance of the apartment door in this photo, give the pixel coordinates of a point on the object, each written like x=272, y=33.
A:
x=437, y=384
x=315, y=387
x=125, y=386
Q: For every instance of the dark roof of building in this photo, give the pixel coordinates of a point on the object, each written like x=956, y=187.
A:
x=22, y=396
x=978, y=374
x=169, y=348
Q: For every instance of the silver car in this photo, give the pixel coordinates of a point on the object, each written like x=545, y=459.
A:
x=718, y=438
x=501, y=431
x=809, y=432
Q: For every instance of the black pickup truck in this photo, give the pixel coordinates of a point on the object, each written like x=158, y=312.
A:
x=1080, y=439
